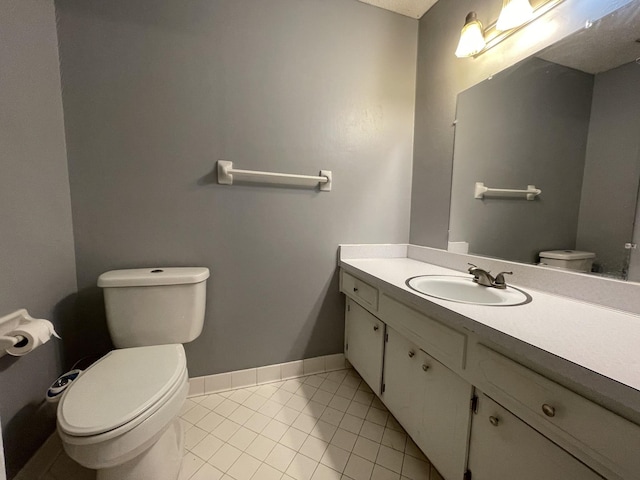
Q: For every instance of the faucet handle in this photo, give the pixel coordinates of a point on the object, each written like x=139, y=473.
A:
x=481, y=277
x=472, y=267
x=499, y=282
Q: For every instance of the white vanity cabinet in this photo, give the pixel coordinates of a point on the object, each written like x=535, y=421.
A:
x=430, y=401
x=503, y=447
x=524, y=426
x=364, y=344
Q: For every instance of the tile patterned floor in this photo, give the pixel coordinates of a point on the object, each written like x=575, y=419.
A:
x=328, y=426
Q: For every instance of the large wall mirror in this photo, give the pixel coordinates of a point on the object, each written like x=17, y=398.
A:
x=567, y=121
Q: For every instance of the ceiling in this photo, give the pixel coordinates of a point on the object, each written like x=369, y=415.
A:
x=409, y=8
x=609, y=43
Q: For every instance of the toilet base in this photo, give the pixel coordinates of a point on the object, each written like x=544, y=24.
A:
x=161, y=461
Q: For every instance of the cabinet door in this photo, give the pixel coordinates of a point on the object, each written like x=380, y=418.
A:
x=430, y=401
x=503, y=447
x=445, y=416
x=401, y=391
x=364, y=344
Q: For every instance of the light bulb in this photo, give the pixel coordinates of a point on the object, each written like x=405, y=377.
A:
x=514, y=13
x=471, y=38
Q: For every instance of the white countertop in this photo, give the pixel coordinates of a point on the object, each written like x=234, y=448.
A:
x=602, y=340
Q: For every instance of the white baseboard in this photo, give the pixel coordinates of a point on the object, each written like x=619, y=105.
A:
x=40, y=463
x=271, y=373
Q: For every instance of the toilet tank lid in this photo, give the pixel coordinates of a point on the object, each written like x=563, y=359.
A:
x=146, y=277
x=567, y=254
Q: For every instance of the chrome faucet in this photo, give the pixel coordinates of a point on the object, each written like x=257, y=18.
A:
x=484, y=278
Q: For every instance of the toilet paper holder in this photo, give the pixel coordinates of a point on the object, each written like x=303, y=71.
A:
x=14, y=321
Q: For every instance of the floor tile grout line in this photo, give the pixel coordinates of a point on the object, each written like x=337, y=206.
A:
x=51, y=464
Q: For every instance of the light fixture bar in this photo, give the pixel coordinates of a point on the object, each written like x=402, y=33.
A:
x=493, y=36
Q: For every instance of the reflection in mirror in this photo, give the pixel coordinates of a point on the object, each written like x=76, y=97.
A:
x=566, y=120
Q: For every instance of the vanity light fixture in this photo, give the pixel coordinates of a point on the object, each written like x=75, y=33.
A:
x=471, y=38
x=515, y=15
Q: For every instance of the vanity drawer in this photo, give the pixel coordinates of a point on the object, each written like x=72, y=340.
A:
x=600, y=434
x=360, y=291
x=441, y=342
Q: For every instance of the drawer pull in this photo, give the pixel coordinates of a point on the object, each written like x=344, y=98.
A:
x=495, y=421
x=411, y=353
x=548, y=410
x=425, y=367
x=355, y=289
x=376, y=328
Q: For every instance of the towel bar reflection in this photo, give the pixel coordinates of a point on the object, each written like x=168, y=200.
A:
x=226, y=175
x=530, y=193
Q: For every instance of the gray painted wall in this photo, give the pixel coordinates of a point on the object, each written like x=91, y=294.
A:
x=441, y=76
x=612, y=168
x=155, y=93
x=37, y=265
x=526, y=126
x=634, y=255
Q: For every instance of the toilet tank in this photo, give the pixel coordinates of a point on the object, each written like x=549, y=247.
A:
x=154, y=306
x=569, y=259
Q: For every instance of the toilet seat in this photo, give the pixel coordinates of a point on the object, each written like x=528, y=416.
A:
x=124, y=441
x=121, y=390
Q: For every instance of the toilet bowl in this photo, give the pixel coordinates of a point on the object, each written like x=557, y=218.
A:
x=120, y=416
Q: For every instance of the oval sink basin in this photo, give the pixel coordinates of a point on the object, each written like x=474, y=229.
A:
x=465, y=290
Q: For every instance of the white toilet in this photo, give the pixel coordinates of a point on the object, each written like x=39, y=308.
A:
x=568, y=259
x=120, y=417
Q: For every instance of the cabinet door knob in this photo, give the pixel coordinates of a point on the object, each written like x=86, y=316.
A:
x=425, y=367
x=355, y=289
x=495, y=421
x=411, y=353
x=375, y=328
x=548, y=410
